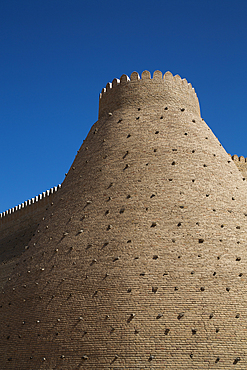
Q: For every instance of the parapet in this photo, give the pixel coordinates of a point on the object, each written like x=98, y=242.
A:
x=159, y=90
x=29, y=206
x=237, y=159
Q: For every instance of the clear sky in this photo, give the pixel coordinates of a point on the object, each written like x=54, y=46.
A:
x=57, y=55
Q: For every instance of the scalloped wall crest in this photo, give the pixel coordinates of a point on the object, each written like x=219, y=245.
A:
x=177, y=79
x=124, y=79
x=162, y=86
x=158, y=75
x=184, y=82
x=146, y=75
x=134, y=76
x=168, y=76
x=108, y=86
x=236, y=158
x=28, y=204
x=115, y=82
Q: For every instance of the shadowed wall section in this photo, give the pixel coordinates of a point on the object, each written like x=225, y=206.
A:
x=17, y=227
x=140, y=262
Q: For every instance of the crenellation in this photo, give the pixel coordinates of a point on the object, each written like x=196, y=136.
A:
x=157, y=75
x=242, y=159
x=173, y=89
x=28, y=206
x=124, y=79
x=168, y=76
x=146, y=75
x=134, y=76
x=241, y=163
x=108, y=86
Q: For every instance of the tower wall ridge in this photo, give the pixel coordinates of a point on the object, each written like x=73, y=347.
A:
x=166, y=89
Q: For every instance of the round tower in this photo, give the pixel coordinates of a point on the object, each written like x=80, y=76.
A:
x=140, y=263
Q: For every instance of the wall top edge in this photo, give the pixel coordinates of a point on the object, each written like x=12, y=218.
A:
x=236, y=158
x=146, y=76
x=31, y=201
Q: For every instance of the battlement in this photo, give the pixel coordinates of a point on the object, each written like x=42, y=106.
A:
x=29, y=206
x=161, y=89
x=237, y=159
x=241, y=163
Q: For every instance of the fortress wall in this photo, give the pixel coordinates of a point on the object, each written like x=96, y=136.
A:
x=18, y=224
x=26, y=216
x=141, y=260
x=26, y=210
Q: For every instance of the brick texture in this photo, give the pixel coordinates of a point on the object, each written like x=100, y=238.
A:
x=141, y=261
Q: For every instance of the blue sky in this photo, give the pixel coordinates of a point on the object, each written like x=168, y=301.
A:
x=57, y=55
